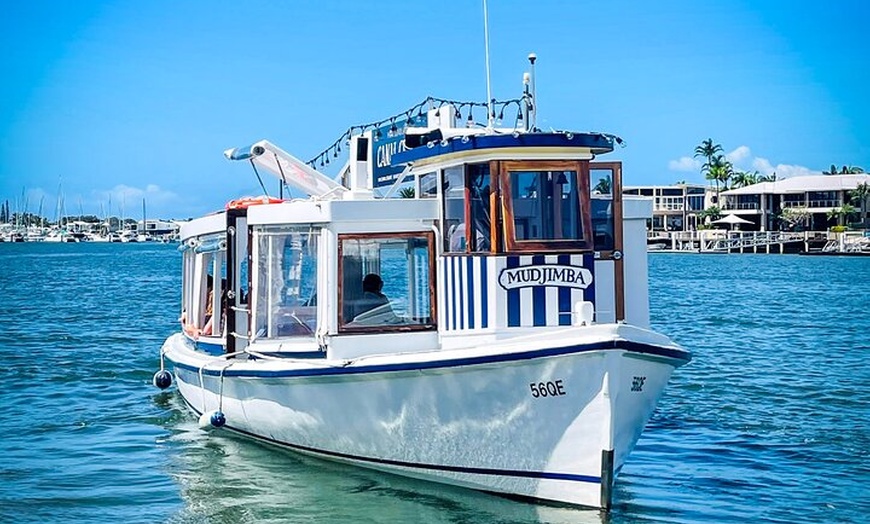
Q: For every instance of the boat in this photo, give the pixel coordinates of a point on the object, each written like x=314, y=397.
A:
x=856, y=244
x=456, y=306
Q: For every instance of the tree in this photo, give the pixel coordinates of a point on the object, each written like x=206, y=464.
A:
x=794, y=216
x=743, y=179
x=708, y=150
x=406, y=192
x=845, y=170
x=861, y=196
x=712, y=212
x=719, y=170
x=603, y=186
x=842, y=213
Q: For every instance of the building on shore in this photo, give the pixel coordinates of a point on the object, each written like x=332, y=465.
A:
x=676, y=207
x=814, y=196
x=155, y=228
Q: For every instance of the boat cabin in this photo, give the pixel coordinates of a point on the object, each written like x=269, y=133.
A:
x=436, y=238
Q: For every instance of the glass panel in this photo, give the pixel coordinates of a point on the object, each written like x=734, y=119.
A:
x=602, y=209
x=546, y=205
x=479, y=191
x=286, y=304
x=454, y=210
x=385, y=282
x=429, y=185
x=201, y=302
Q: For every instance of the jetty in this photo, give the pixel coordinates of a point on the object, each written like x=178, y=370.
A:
x=721, y=241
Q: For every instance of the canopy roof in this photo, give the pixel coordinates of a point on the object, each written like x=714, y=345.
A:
x=731, y=219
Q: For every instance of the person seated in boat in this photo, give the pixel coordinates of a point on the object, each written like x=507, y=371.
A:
x=374, y=307
x=208, y=328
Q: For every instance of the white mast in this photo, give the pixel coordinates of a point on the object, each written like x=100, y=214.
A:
x=488, y=81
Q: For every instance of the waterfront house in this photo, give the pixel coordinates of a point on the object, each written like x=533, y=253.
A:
x=676, y=207
x=814, y=195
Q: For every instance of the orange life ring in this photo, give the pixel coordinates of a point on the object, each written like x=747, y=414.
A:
x=246, y=202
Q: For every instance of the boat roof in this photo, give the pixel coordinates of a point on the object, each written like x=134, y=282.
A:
x=434, y=149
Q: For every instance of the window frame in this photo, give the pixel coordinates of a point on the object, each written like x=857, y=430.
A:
x=257, y=279
x=511, y=244
x=342, y=325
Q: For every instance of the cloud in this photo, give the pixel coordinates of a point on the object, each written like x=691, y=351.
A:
x=742, y=159
x=738, y=155
x=685, y=164
x=764, y=166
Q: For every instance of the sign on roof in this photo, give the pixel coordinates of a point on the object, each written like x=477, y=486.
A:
x=390, y=142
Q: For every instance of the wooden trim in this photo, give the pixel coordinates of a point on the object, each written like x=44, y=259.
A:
x=494, y=208
x=618, y=233
x=466, y=208
x=433, y=304
x=511, y=244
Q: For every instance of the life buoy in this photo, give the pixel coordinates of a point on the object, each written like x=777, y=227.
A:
x=246, y=202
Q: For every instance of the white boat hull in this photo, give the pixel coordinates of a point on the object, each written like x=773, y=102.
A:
x=537, y=420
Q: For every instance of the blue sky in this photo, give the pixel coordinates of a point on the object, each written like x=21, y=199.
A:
x=115, y=101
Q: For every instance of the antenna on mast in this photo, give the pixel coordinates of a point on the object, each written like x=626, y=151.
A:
x=488, y=82
x=533, y=110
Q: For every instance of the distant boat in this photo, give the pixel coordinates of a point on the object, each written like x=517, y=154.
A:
x=489, y=330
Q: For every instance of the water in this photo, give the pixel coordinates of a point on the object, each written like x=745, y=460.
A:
x=769, y=423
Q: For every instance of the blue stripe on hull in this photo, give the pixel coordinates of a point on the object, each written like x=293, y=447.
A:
x=548, y=475
x=679, y=355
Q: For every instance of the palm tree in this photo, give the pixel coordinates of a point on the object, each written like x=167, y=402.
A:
x=861, y=195
x=842, y=213
x=719, y=170
x=743, y=179
x=708, y=150
x=603, y=186
x=845, y=170
x=406, y=192
x=712, y=212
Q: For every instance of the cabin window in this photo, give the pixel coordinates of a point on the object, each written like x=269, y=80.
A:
x=454, y=210
x=286, y=282
x=386, y=282
x=204, y=258
x=428, y=183
x=602, y=209
x=467, y=207
x=546, y=205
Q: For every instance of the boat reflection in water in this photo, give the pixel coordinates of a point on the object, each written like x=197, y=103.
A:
x=270, y=485
x=490, y=330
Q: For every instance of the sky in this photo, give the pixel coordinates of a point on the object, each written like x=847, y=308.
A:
x=104, y=104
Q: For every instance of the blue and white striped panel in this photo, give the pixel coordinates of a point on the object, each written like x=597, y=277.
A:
x=471, y=298
x=464, y=297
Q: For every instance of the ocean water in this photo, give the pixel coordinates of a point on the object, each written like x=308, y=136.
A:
x=769, y=423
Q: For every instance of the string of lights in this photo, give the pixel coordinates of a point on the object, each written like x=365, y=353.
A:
x=414, y=115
